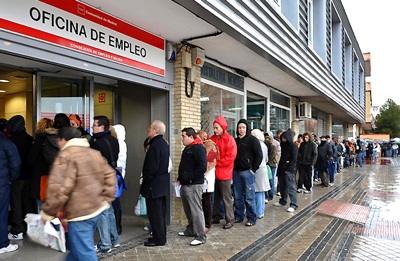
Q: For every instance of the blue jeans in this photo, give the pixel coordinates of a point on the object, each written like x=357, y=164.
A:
x=360, y=158
x=271, y=192
x=315, y=173
x=81, y=241
x=244, y=194
x=107, y=230
x=4, y=203
x=260, y=203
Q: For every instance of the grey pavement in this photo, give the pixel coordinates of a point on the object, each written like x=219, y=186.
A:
x=356, y=219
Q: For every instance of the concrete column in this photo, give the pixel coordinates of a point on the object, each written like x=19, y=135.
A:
x=329, y=124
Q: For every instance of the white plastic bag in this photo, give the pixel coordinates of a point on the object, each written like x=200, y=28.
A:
x=51, y=234
x=140, y=208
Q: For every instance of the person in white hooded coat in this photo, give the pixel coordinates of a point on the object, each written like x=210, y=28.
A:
x=262, y=180
x=120, y=134
x=122, y=156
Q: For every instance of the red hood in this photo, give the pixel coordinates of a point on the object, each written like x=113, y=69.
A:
x=222, y=122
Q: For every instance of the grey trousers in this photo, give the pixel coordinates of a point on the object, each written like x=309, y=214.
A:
x=191, y=196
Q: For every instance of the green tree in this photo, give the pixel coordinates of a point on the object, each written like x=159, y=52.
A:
x=388, y=120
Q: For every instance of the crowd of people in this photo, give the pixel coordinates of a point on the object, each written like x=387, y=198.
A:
x=250, y=169
x=62, y=171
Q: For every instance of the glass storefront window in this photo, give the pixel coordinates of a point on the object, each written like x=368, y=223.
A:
x=256, y=111
x=216, y=102
x=279, y=118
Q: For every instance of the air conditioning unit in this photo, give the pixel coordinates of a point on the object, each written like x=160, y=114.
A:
x=305, y=110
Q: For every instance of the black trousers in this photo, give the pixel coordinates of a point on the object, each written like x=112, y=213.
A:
x=157, y=213
x=21, y=204
x=207, y=208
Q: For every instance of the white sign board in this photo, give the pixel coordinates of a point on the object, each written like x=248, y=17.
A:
x=80, y=27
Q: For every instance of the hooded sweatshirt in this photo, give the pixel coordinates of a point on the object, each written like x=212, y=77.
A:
x=249, y=155
x=227, y=151
x=288, y=161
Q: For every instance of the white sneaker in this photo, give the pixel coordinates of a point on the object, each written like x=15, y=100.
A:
x=299, y=190
x=277, y=204
x=8, y=248
x=278, y=194
x=196, y=242
x=116, y=245
x=290, y=210
x=19, y=236
x=331, y=184
x=266, y=201
x=306, y=192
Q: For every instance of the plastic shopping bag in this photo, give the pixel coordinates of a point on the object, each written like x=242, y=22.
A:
x=140, y=208
x=51, y=234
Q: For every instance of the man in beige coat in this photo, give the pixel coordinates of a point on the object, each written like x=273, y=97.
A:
x=83, y=184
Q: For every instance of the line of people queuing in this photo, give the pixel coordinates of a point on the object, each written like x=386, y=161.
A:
x=62, y=172
x=232, y=178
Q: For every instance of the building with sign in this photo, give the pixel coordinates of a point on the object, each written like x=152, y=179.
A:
x=279, y=63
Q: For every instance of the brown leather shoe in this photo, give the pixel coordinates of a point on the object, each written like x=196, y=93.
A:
x=228, y=225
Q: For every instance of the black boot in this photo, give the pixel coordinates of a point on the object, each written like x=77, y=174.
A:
x=118, y=215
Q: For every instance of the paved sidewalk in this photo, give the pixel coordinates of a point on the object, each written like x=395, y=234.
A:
x=281, y=235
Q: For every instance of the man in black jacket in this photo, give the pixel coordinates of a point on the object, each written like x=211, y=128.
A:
x=21, y=202
x=192, y=167
x=109, y=149
x=306, y=159
x=287, y=172
x=247, y=161
x=155, y=184
x=325, y=153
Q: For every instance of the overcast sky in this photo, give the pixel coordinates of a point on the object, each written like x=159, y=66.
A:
x=376, y=24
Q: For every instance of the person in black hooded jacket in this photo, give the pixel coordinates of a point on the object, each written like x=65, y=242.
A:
x=247, y=161
x=20, y=201
x=287, y=171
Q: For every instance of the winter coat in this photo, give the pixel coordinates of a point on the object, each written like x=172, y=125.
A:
x=156, y=178
x=307, y=153
x=262, y=180
x=107, y=145
x=272, y=161
x=122, y=155
x=193, y=164
x=289, y=151
x=227, y=151
x=10, y=163
x=50, y=147
x=23, y=141
x=324, y=154
x=80, y=182
x=249, y=155
x=41, y=158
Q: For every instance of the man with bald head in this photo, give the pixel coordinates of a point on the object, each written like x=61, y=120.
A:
x=155, y=184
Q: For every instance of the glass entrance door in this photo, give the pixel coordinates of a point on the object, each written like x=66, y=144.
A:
x=69, y=94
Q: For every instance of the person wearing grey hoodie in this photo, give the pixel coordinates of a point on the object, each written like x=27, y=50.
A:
x=287, y=172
